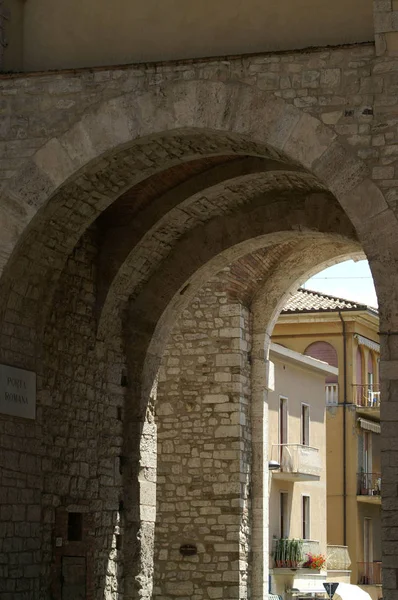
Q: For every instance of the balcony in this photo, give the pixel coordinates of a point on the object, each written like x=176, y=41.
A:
x=298, y=462
x=332, y=394
x=367, y=399
x=338, y=558
x=369, y=573
x=369, y=488
x=293, y=553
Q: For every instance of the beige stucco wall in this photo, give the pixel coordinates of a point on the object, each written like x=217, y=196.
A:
x=298, y=336
x=299, y=385
x=76, y=34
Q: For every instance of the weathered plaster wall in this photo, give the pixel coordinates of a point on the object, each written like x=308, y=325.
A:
x=70, y=34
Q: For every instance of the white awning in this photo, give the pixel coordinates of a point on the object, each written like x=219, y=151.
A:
x=363, y=341
x=369, y=425
x=298, y=591
x=348, y=591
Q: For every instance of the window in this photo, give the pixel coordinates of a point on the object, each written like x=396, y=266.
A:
x=367, y=452
x=370, y=380
x=75, y=526
x=305, y=425
x=283, y=421
x=284, y=514
x=306, y=517
x=283, y=416
x=367, y=540
x=359, y=367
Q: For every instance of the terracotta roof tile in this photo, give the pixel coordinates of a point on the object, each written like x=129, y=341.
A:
x=310, y=301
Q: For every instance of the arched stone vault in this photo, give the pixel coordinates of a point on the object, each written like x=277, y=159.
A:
x=259, y=281
x=108, y=151
x=99, y=138
x=228, y=173
x=121, y=143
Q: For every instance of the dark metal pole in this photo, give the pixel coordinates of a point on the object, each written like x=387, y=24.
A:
x=344, y=432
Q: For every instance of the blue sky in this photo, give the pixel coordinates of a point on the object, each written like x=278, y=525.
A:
x=351, y=280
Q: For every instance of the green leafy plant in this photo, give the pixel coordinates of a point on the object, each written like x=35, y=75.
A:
x=288, y=552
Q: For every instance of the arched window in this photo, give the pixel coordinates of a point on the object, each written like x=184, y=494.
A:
x=324, y=351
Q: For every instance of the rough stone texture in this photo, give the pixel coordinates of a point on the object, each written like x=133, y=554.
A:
x=124, y=191
x=82, y=432
x=204, y=452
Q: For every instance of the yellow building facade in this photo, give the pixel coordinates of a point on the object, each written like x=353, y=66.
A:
x=345, y=334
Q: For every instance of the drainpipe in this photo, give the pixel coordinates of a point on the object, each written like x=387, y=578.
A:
x=344, y=431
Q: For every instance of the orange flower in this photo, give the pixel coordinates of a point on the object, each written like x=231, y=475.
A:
x=315, y=561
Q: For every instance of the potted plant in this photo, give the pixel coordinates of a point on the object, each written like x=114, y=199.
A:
x=288, y=553
x=296, y=553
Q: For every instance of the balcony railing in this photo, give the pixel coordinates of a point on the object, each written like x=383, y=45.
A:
x=369, y=573
x=293, y=553
x=332, y=394
x=369, y=484
x=338, y=558
x=297, y=461
x=367, y=396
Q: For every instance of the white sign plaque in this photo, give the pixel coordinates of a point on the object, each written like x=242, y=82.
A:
x=17, y=392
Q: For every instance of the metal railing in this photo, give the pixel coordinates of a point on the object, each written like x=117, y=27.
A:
x=296, y=458
x=369, y=484
x=332, y=394
x=367, y=396
x=369, y=573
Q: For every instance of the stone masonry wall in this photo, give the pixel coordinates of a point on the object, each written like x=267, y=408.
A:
x=82, y=430
x=69, y=457
x=349, y=88
x=204, y=452
x=67, y=460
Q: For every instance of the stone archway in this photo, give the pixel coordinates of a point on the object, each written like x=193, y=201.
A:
x=276, y=174
x=198, y=388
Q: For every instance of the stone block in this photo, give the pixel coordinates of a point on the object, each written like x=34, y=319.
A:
x=215, y=592
x=215, y=398
x=331, y=78
x=383, y=172
x=385, y=21
x=309, y=140
x=391, y=43
x=226, y=489
x=382, y=5
x=179, y=588
x=230, y=332
x=229, y=360
x=227, y=431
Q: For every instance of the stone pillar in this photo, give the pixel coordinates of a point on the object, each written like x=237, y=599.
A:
x=389, y=463
x=259, y=413
x=204, y=454
x=386, y=27
x=139, y=500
